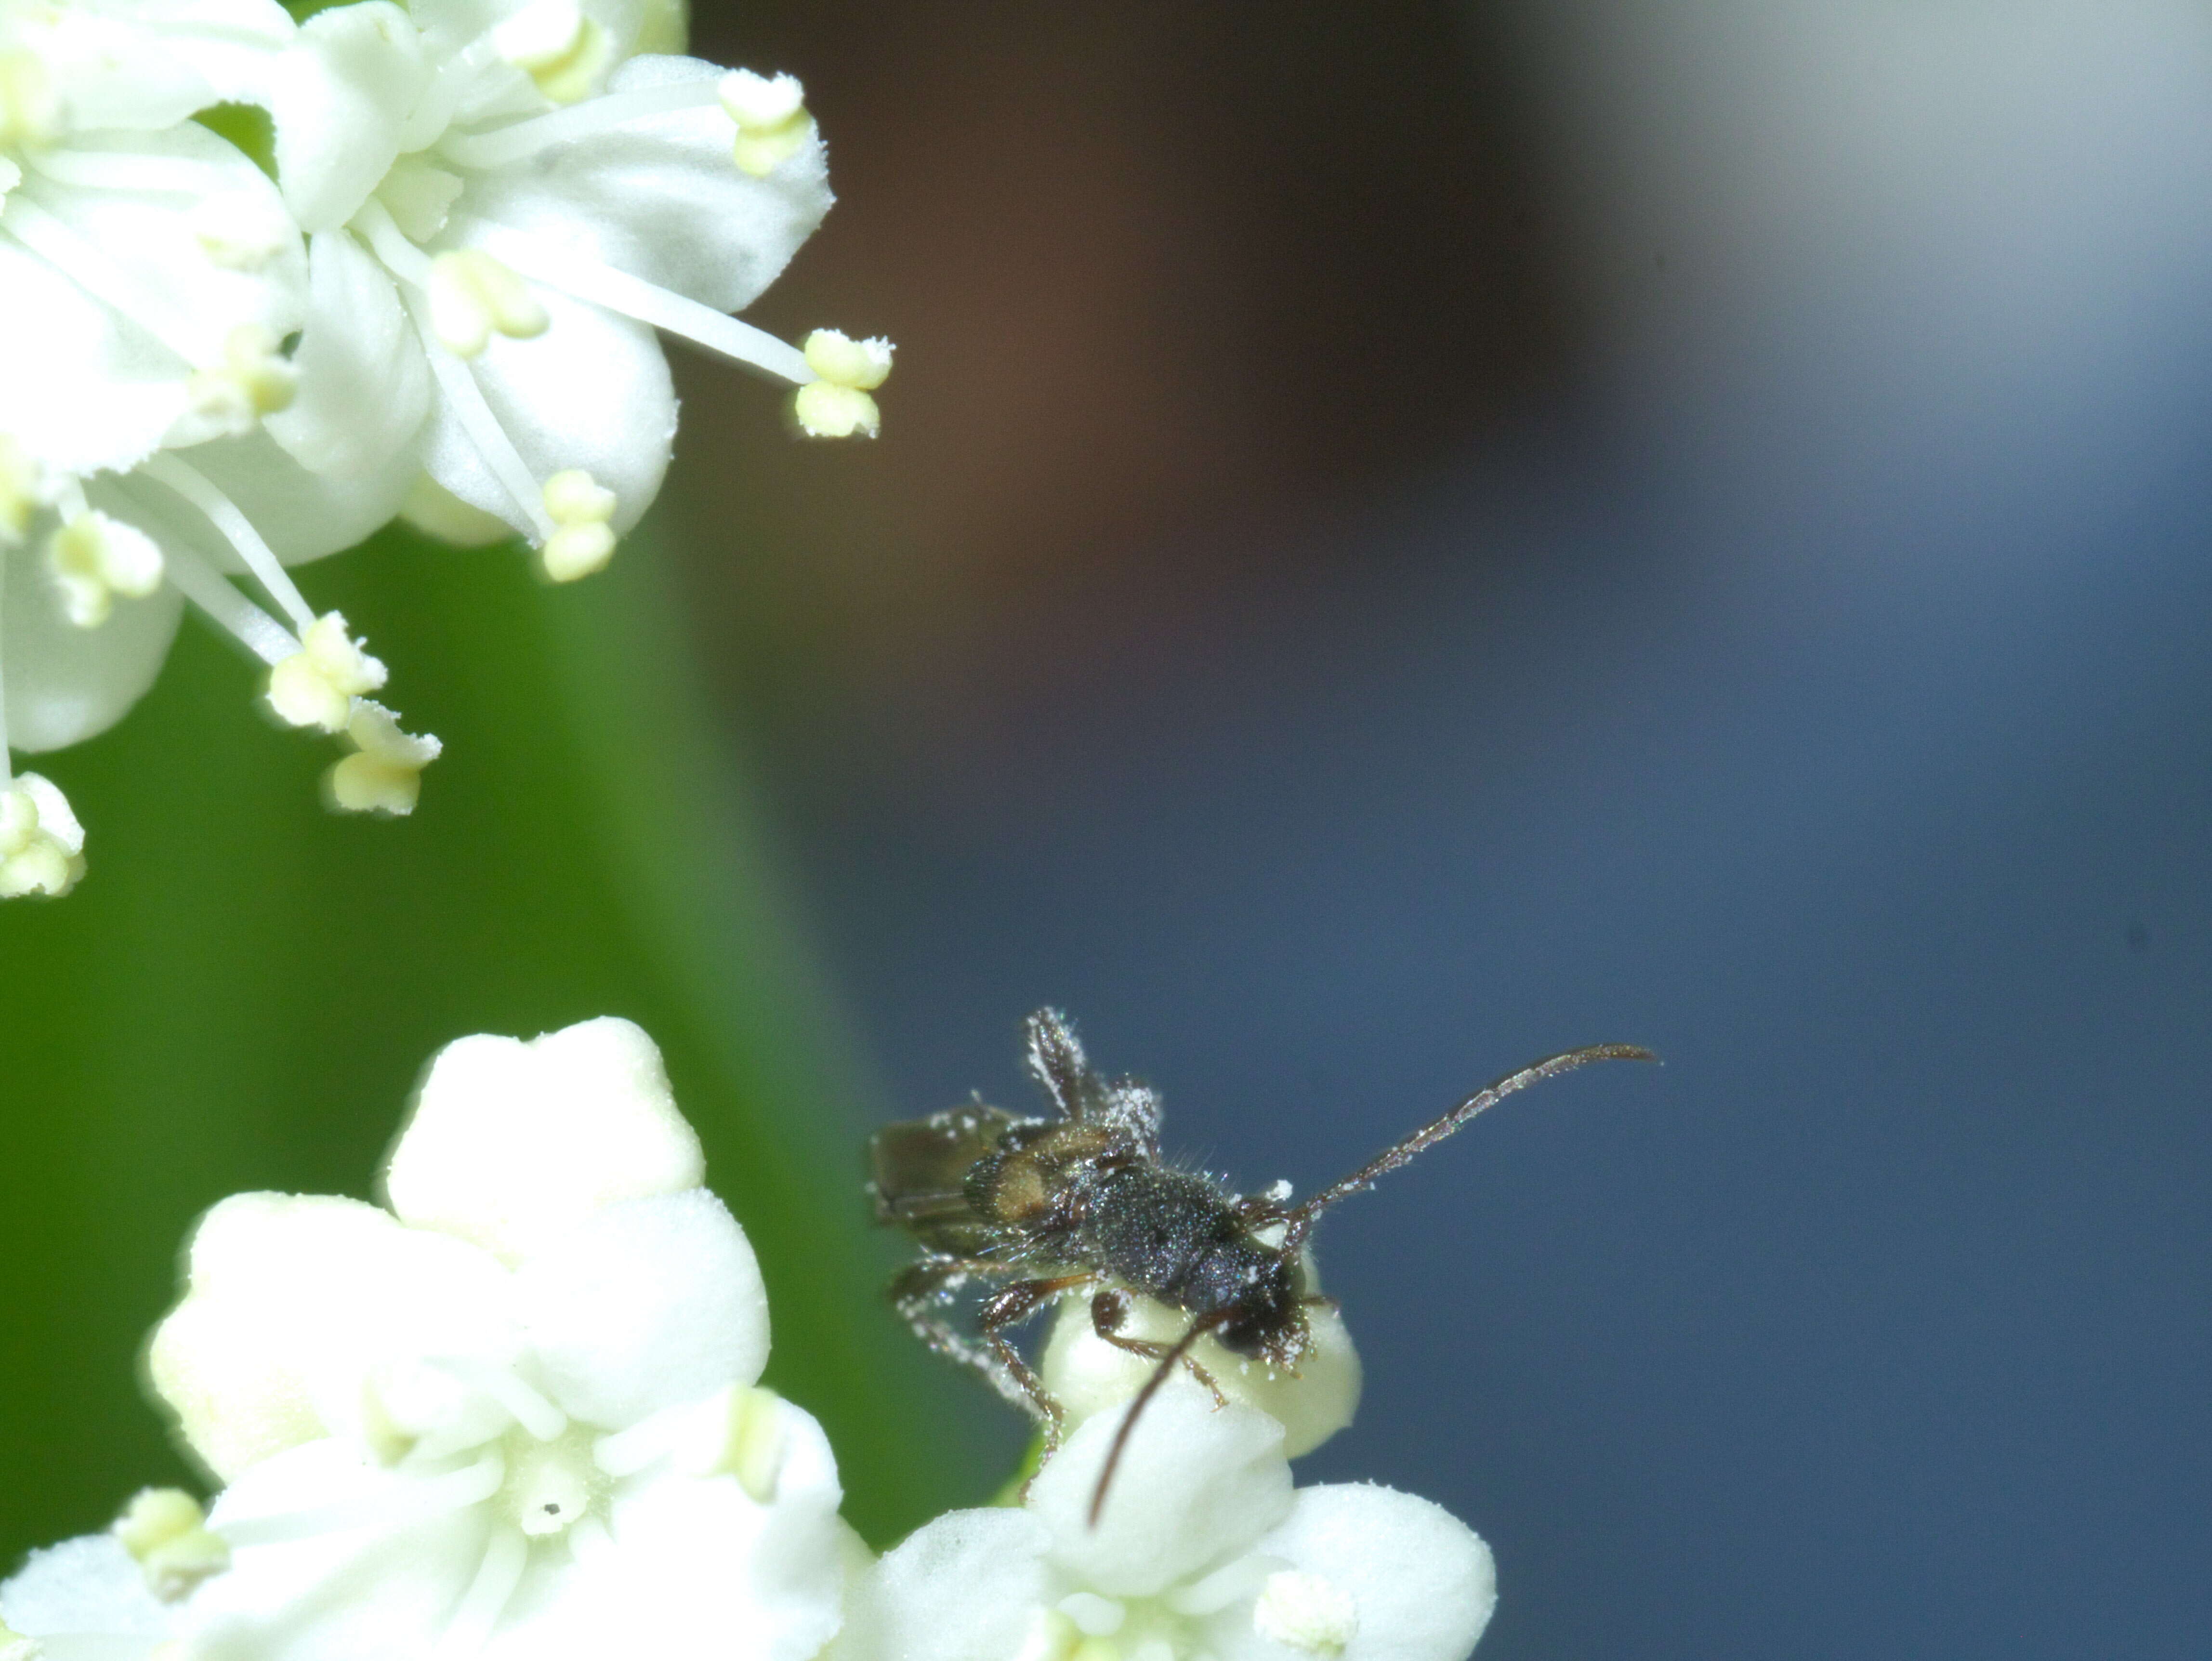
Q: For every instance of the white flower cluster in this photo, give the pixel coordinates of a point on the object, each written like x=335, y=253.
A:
x=517, y=1413
x=443, y=299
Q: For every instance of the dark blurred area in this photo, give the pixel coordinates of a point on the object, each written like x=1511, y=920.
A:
x=1412, y=537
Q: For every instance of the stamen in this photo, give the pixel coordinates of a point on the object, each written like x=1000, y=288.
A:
x=740, y=1433
x=618, y=291
x=41, y=843
x=241, y=232
x=166, y=1532
x=228, y=610
x=1307, y=1613
x=19, y=491
x=471, y=295
x=316, y=686
x=530, y=1410
x=108, y=170
x=556, y=45
x=94, y=559
x=582, y=508
x=385, y=776
x=483, y=430
x=601, y=114
x=30, y=108
x=410, y=1499
x=1240, y=1578
x=839, y=404
x=506, y=1555
x=1051, y=1637
x=221, y=512
x=254, y=379
x=773, y=123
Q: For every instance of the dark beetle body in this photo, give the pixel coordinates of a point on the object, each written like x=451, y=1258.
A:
x=1041, y=1209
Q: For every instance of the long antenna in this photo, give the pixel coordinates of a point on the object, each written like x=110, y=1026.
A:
x=1302, y=1216
x=1197, y=1329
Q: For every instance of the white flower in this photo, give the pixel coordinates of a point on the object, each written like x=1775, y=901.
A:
x=516, y=1414
x=1087, y=1375
x=149, y=274
x=503, y=205
x=1203, y=1549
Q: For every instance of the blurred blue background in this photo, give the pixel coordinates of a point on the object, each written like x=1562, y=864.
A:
x=1412, y=537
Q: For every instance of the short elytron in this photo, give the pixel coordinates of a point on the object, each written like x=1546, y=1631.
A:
x=1044, y=1208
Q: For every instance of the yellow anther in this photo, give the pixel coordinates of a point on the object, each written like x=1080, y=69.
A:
x=1051, y=1637
x=556, y=45
x=254, y=379
x=839, y=404
x=773, y=123
x=19, y=491
x=472, y=295
x=241, y=232
x=30, y=109
x=316, y=686
x=385, y=774
x=1306, y=1612
x=580, y=508
x=93, y=558
x=166, y=1532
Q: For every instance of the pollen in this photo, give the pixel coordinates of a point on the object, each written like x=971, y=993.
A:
x=167, y=1534
x=41, y=844
x=1307, y=1613
x=30, y=108
x=19, y=491
x=473, y=296
x=254, y=379
x=771, y=116
x=840, y=403
x=385, y=773
x=583, y=540
x=317, y=684
x=557, y=47
x=94, y=559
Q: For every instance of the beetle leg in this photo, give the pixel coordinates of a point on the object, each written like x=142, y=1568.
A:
x=1011, y=1307
x=1111, y=1309
x=921, y=1290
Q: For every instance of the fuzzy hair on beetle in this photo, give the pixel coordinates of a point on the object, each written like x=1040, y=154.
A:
x=1042, y=1208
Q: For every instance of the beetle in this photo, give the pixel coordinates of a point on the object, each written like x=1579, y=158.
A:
x=1044, y=1208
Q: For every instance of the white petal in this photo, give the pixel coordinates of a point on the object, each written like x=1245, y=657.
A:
x=295, y=1305
x=1089, y=1375
x=661, y=198
x=512, y=1144
x=300, y=514
x=966, y=1587
x=340, y=101
x=644, y=1305
x=363, y=386
x=163, y=59
x=1196, y=1484
x=1422, y=1582
x=153, y=240
x=702, y=1569
x=89, y=1585
x=82, y=392
x=64, y=683
x=593, y=391
x=339, y=1594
